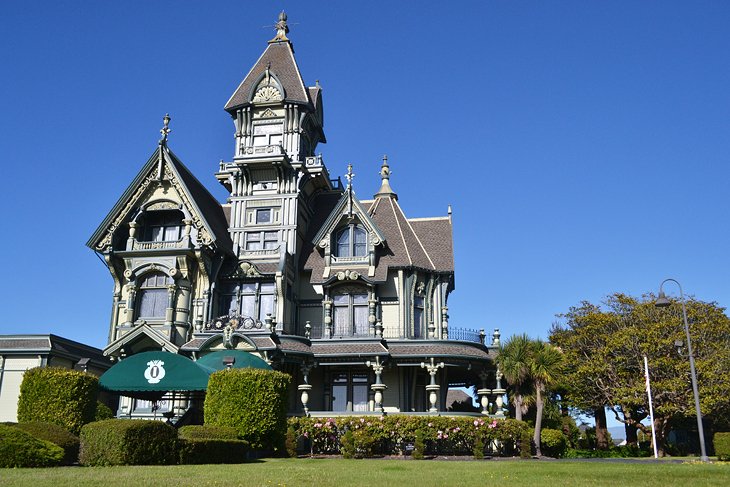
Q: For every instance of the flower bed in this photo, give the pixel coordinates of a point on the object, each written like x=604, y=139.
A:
x=396, y=435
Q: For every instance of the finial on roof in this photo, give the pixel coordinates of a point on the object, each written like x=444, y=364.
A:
x=282, y=29
x=349, y=176
x=165, y=129
x=385, y=189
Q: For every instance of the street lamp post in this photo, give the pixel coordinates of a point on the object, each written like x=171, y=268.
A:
x=662, y=302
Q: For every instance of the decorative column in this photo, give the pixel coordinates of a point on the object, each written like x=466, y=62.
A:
x=170, y=311
x=433, y=388
x=378, y=387
x=431, y=329
x=132, y=234
x=131, y=291
x=379, y=329
x=499, y=393
x=328, y=332
x=308, y=330
x=445, y=322
x=188, y=227
x=484, y=392
x=372, y=302
x=306, y=387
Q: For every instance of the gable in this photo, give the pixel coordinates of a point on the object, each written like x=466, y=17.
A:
x=165, y=182
x=348, y=203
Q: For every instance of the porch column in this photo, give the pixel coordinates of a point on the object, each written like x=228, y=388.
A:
x=378, y=387
x=484, y=392
x=306, y=387
x=499, y=393
x=433, y=388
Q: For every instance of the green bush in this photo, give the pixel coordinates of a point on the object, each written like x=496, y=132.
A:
x=199, y=451
x=128, y=442
x=56, y=435
x=60, y=396
x=553, y=442
x=251, y=400
x=207, y=432
x=419, y=446
x=103, y=412
x=291, y=442
x=19, y=448
x=722, y=446
x=348, y=445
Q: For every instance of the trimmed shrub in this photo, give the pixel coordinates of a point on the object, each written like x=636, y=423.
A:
x=57, y=435
x=418, y=446
x=60, y=396
x=348, y=445
x=291, y=442
x=553, y=442
x=207, y=432
x=19, y=448
x=722, y=446
x=128, y=442
x=199, y=451
x=251, y=400
x=103, y=412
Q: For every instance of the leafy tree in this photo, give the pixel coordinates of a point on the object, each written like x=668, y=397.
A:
x=513, y=360
x=604, y=348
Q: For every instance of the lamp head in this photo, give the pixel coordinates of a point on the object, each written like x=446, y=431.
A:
x=662, y=301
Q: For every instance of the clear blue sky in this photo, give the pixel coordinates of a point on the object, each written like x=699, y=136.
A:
x=584, y=146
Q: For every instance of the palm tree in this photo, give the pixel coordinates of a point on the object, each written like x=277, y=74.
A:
x=514, y=362
x=546, y=363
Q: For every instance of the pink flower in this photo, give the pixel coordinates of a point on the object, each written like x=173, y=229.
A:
x=362, y=420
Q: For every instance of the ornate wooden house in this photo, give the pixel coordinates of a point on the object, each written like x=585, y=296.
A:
x=347, y=295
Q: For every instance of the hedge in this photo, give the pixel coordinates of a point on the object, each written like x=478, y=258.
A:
x=60, y=396
x=416, y=435
x=207, y=451
x=19, y=448
x=103, y=412
x=128, y=442
x=722, y=446
x=253, y=401
x=553, y=442
x=207, y=432
x=57, y=435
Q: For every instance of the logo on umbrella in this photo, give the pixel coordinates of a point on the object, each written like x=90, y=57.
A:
x=155, y=371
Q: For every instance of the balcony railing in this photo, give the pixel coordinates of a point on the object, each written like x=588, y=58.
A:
x=261, y=150
x=466, y=335
x=172, y=244
x=259, y=253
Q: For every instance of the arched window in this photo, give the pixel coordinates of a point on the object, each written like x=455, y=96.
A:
x=350, y=313
x=152, y=299
x=162, y=226
x=351, y=241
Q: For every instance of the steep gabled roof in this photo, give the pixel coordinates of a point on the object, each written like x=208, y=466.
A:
x=436, y=236
x=279, y=58
x=202, y=203
x=338, y=213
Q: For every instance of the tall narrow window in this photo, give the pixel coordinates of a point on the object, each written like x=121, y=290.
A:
x=152, y=299
x=162, y=226
x=351, y=314
x=257, y=300
x=350, y=392
x=418, y=317
x=351, y=242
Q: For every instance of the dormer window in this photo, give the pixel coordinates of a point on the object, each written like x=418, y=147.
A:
x=351, y=241
x=162, y=226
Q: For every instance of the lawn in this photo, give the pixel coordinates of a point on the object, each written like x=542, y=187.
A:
x=337, y=472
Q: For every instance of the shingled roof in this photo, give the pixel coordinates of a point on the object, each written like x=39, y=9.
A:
x=279, y=58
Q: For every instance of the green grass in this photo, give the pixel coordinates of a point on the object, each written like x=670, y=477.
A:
x=402, y=473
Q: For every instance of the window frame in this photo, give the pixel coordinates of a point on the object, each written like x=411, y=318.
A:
x=165, y=221
x=351, y=326
x=266, y=240
x=244, y=291
x=350, y=382
x=146, y=288
x=350, y=245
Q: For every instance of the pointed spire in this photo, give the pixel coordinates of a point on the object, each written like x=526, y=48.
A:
x=349, y=177
x=385, y=190
x=282, y=29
